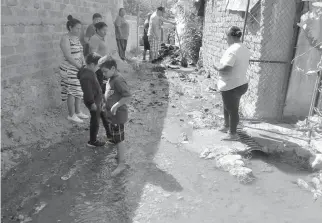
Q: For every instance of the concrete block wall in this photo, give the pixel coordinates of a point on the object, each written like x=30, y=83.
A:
x=30, y=55
x=268, y=36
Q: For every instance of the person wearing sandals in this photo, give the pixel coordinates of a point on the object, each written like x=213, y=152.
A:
x=232, y=81
x=73, y=61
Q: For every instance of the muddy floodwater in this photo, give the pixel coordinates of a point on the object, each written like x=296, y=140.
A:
x=166, y=180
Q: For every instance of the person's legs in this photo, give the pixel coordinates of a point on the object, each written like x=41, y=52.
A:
x=238, y=93
x=93, y=129
x=117, y=132
x=124, y=48
x=229, y=101
x=234, y=114
x=232, y=98
x=77, y=105
x=106, y=125
x=121, y=160
x=71, y=105
x=119, y=47
x=152, y=47
x=226, y=104
x=225, y=99
x=94, y=126
x=144, y=54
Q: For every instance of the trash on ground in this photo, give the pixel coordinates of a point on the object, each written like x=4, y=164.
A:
x=41, y=206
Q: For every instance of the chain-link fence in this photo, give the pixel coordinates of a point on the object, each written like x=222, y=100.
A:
x=270, y=33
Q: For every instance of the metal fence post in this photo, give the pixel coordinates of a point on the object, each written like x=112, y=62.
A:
x=245, y=21
x=286, y=81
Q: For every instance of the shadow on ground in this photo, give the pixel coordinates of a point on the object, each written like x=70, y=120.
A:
x=35, y=191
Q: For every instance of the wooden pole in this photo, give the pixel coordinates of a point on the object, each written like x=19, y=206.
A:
x=314, y=103
x=245, y=20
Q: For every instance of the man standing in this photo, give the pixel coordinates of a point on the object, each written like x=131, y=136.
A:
x=90, y=31
x=154, y=32
x=122, y=30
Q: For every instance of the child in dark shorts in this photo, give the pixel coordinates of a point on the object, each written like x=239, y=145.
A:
x=117, y=95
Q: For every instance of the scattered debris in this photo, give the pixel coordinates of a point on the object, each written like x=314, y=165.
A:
x=228, y=162
x=41, y=206
x=311, y=187
x=316, y=161
x=243, y=174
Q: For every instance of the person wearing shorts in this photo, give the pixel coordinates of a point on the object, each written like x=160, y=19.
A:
x=117, y=96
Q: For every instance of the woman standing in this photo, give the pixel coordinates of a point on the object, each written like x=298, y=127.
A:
x=98, y=45
x=121, y=32
x=233, y=82
x=145, y=38
x=73, y=60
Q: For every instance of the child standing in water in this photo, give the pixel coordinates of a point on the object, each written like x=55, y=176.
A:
x=117, y=96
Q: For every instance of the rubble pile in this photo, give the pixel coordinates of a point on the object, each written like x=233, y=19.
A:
x=171, y=55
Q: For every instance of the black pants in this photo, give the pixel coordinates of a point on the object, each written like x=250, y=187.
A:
x=121, y=45
x=95, y=123
x=101, y=78
x=231, y=101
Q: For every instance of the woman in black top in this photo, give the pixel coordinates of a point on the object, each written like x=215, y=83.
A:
x=145, y=37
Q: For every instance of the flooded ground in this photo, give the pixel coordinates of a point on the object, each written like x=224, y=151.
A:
x=166, y=180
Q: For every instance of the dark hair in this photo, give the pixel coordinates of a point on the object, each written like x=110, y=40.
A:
x=72, y=22
x=235, y=32
x=93, y=58
x=121, y=10
x=97, y=15
x=109, y=63
x=161, y=9
x=100, y=25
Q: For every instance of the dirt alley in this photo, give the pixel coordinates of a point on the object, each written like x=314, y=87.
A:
x=165, y=182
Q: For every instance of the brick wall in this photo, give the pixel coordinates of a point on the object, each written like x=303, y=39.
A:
x=268, y=35
x=30, y=54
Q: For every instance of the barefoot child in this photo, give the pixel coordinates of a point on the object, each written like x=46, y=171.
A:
x=93, y=97
x=117, y=95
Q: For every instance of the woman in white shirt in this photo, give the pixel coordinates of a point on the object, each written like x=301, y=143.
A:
x=232, y=82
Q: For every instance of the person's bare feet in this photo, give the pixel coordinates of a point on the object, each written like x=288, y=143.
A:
x=119, y=169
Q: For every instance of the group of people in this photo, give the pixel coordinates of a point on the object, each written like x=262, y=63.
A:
x=89, y=72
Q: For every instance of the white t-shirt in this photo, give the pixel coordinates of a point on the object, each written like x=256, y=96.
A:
x=154, y=26
x=237, y=56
